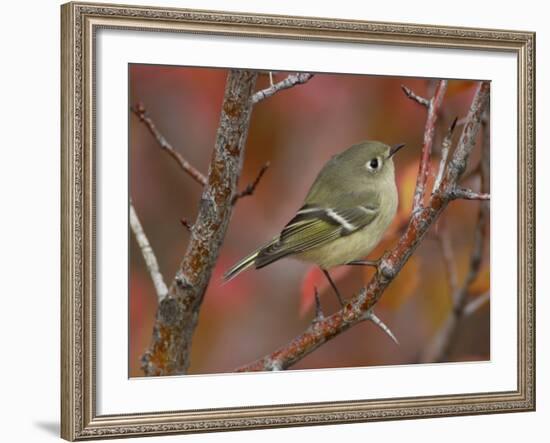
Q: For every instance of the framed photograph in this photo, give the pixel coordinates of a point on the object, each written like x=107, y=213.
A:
x=280, y=221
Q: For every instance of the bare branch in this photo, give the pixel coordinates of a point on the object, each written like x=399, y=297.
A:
x=355, y=309
x=177, y=314
x=468, y=194
x=292, y=80
x=476, y=303
x=434, y=106
x=148, y=255
x=141, y=113
x=420, y=100
x=439, y=349
x=445, y=147
x=249, y=190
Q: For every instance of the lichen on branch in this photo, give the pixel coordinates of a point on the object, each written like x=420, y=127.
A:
x=177, y=314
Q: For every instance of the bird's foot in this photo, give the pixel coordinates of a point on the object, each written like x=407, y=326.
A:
x=373, y=263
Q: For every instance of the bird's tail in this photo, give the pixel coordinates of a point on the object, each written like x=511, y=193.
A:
x=241, y=266
x=245, y=263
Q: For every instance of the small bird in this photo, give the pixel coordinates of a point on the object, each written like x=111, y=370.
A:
x=348, y=208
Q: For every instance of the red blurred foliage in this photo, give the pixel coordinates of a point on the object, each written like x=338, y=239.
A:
x=297, y=131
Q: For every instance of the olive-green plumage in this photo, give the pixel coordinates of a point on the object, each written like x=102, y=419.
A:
x=345, y=213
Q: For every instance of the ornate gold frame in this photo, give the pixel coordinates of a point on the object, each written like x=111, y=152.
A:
x=79, y=420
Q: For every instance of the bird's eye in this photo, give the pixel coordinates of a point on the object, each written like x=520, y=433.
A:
x=374, y=164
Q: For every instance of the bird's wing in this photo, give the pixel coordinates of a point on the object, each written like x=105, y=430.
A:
x=313, y=227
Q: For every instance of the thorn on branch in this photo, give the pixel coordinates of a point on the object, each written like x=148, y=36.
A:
x=250, y=188
x=445, y=148
x=275, y=365
x=419, y=224
x=318, y=311
x=418, y=99
x=140, y=111
x=292, y=80
x=462, y=121
x=370, y=316
x=186, y=224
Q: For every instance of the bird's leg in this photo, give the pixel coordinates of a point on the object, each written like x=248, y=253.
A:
x=373, y=263
x=327, y=275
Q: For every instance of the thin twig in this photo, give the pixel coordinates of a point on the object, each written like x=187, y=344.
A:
x=355, y=309
x=476, y=303
x=148, y=255
x=443, y=342
x=420, y=100
x=140, y=111
x=445, y=148
x=434, y=106
x=468, y=194
x=289, y=82
x=250, y=188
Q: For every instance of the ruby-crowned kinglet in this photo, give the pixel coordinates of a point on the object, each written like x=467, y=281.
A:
x=349, y=206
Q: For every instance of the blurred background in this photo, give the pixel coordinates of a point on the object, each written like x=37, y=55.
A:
x=297, y=131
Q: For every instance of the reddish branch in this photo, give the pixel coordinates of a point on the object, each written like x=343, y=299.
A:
x=140, y=111
x=443, y=342
x=358, y=309
x=177, y=314
x=434, y=106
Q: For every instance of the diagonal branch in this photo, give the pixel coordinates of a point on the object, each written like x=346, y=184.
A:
x=354, y=311
x=445, y=148
x=415, y=97
x=441, y=345
x=434, y=106
x=292, y=80
x=140, y=111
x=148, y=255
x=476, y=303
x=177, y=314
x=250, y=188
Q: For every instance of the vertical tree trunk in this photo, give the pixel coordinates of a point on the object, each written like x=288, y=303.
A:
x=177, y=314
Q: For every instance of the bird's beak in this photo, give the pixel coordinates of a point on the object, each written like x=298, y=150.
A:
x=396, y=148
